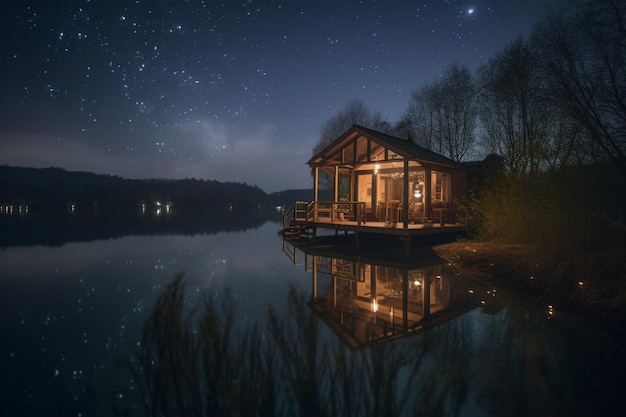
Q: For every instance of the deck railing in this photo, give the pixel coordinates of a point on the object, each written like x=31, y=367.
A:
x=298, y=212
x=303, y=218
x=324, y=212
x=339, y=211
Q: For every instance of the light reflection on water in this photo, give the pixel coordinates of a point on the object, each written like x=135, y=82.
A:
x=73, y=316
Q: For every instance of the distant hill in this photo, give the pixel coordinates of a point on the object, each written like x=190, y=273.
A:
x=55, y=188
x=288, y=197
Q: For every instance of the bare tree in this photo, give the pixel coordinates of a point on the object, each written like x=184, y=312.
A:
x=583, y=52
x=421, y=116
x=517, y=123
x=458, y=122
x=443, y=115
x=355, y=112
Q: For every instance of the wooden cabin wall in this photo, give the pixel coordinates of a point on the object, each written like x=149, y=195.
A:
x=459, y=185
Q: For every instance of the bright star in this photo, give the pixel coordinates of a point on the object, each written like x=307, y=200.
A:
x=470, y=10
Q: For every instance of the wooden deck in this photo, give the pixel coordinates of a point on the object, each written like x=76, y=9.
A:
x=383, y=228
x=302, y=220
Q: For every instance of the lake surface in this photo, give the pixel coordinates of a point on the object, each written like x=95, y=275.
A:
x=91, y=327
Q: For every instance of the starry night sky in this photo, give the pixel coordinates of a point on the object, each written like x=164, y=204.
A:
x=223, y=90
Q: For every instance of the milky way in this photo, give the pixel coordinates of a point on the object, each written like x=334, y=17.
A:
x=232, y=91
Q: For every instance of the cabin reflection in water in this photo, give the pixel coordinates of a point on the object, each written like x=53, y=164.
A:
x=369, y=300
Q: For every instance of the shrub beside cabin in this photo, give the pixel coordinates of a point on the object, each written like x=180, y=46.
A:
x=368, y=181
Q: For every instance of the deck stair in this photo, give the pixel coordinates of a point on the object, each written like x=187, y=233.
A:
x=295, y=221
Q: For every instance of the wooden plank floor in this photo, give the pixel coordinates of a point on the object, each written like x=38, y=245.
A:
x=382, y=228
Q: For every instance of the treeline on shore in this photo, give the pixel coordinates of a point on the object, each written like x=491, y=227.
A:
x=572, y=222
x=58, y=189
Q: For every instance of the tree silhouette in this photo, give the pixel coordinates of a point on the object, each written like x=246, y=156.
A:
x=442, y=116
x=355, y=112
x=583, y=60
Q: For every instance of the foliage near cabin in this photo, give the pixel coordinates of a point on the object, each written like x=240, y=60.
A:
x=552, y=108
x=570, y=221
x=555, y=114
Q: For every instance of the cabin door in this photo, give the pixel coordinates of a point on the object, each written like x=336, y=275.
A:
x=366, y=194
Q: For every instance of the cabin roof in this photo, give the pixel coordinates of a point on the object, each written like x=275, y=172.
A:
x=406, y=148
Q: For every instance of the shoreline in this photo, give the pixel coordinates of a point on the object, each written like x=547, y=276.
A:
x=524, y=270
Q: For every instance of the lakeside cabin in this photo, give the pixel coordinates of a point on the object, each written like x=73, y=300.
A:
x=371, y=182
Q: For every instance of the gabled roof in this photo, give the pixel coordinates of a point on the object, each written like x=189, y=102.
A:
x=403, y=147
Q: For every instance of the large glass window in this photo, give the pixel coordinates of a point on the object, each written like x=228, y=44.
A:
x=390, y=186
x=325, y=184
x=365, y=188
x=441, y=186
x=344, y=185
x=416, y=185
x=361, y=150
x=348, y=154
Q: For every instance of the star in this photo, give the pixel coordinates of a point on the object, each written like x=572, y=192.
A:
x=135, y=74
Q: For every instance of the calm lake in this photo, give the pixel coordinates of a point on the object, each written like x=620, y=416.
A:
x=96, y=324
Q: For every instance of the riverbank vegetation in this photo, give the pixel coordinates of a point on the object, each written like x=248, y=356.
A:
x=552, y=108
x=550, y=111
x=559, y=236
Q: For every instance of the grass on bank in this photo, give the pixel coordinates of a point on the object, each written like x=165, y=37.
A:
x=561, y=235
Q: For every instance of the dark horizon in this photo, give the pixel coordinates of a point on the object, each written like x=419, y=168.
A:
x=61, y=190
